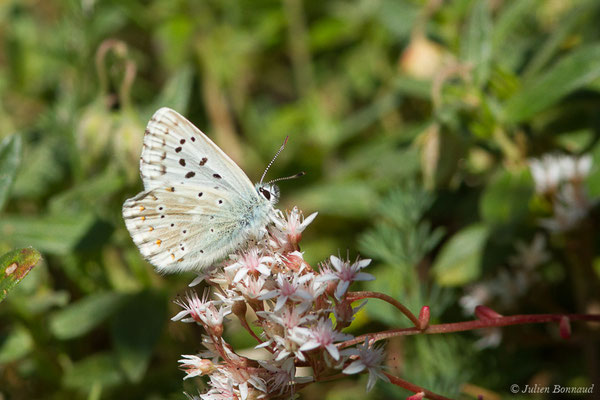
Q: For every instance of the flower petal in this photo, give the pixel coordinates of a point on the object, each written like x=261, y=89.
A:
x=354, y=368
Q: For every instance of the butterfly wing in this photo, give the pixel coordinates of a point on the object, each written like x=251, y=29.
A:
x=177, y=153
x=198, y=205
x=182, y=228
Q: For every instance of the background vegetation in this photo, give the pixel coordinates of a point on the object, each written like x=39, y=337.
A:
x=414, y=121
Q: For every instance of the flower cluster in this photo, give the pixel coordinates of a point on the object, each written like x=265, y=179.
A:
x=560, y=179
x=292, y=307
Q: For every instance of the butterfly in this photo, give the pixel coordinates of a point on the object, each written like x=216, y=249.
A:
x=197, y=205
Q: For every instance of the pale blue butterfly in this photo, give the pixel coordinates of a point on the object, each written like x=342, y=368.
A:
x=198, y=205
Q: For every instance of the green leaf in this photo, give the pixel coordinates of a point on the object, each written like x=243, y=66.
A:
x=45, y=170
x=572, y=72
x=459, y=261
x=16, y=345
x=89, y=194
x=397, y=16
x=511, y=18
x=84, y=315
x=95, y=370
x=14, y=266
x=477, y=48
x=506, y=198
x=136, y=328
x=53, y=234
x=10, y=158
x=578, y=16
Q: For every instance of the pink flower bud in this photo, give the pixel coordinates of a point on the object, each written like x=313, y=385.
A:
x=485, y=313
x=294, y=261
x=416, y=396
x=565, y=327
x=424, y=316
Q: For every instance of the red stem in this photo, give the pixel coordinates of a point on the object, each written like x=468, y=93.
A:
x=251, y=332
x=470, y=325
x=414, y=388
x=353, y=296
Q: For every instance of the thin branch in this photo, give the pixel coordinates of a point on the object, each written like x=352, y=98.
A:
x=470, y=325
x=414, y=388
x=353, y=296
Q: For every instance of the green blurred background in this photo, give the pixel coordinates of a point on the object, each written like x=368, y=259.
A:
x=414, y=121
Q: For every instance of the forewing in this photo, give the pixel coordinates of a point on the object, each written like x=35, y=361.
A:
x=177, y=153
x=184, y=228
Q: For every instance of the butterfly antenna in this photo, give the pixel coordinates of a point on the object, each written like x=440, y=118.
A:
x=285, y=178
x=273, y=160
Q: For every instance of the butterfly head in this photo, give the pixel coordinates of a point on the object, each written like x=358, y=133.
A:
x=268, y=191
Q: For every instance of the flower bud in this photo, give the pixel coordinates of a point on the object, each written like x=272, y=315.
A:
x=196, y=366
x=239, y=309
x=424, y=316
x=485, y=313
x=344, y=314
x=565, y=327
x=416, y=396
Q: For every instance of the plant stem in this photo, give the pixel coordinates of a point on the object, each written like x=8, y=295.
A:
x=353, y=296
x=470, y=325
x=414, y=388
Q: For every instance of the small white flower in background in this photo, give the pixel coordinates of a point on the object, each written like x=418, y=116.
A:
x=570, y=207
x=293, y=305
x=490, y=337
x=478, y=294
x=346, y=273
x=577, y=168
x=551, y=170
x=530, y=256
x=370, y=358
x=546, y=172
x=560, y=177
x=508, y=285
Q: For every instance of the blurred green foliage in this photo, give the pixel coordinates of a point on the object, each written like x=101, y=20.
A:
x=414, y=120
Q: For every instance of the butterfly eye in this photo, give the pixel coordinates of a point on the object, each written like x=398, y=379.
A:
x=265, y=193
